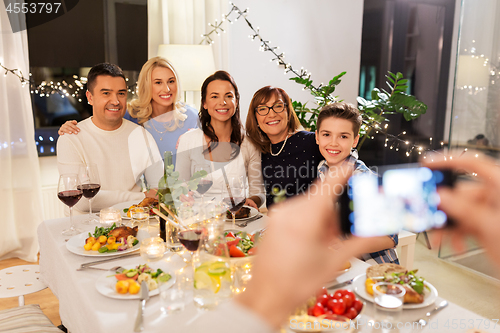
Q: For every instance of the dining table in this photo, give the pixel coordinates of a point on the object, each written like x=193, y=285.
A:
x=83, y=309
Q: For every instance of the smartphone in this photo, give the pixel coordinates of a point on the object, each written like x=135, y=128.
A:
x=398, y=197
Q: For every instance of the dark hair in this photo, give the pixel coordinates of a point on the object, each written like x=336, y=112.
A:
x=341, y=110
x=104, y=68
x=256, y=135
x=206, y=126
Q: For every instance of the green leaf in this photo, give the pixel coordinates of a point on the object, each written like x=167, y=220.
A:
x=399, y=76
x=390, y=79
x=361, y=100
x=382, y=96
x=392, y=74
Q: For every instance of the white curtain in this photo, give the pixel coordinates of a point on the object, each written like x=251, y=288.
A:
x=20, y=191
x=184, y=21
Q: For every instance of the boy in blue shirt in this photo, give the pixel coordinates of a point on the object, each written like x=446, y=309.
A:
x=337, y=135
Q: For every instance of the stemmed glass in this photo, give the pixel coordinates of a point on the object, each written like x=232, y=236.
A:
x=234, y=195
x=192, y=237
x=193, y=234
x=69, y=193
x=89, y=176
x=206, y=182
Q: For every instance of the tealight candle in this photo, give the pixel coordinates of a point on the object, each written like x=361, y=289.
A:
x=110, y=215
x=152, y=249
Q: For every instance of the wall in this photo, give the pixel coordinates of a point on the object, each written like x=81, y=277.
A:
x=323, y=36
x=453, y=63
x=49, y=175
x=478, y=37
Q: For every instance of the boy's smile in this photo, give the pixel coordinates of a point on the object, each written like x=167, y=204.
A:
x=335, y=139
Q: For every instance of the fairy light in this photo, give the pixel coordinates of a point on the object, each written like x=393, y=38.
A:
x=17, y=73
x=264, y=45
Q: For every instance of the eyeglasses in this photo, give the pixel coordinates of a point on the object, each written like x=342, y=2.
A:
x=263, y=110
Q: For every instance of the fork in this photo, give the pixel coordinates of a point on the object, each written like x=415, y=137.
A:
x=245, y=223
x=117, y=269
x=423, y=322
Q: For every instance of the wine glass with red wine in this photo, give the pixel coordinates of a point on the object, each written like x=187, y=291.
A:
x=90, y=186
x=69, y=193
x=234, y=195
x=191, y=238
x=204, y=183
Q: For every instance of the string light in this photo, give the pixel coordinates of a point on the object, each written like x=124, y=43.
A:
x=63, y=88
x=264, y=45
x=17, y=73
x=47, y=89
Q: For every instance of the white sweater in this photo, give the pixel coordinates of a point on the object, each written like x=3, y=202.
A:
x=122, y=157
x=247, y=164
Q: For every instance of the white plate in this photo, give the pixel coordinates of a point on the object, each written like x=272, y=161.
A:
x=253, y=212
x=123, y=205
x=430, y=297
x=75, y=244
x=105, y=285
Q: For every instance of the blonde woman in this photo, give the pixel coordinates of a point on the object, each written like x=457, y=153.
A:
x=158, y=106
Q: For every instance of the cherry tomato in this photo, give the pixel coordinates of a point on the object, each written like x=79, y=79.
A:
x=252, y=238
x=318, y=310
x=230, y=242
x=342, y=291
x=351, y=313
x=322, y=291
x=337, y=295
x=358, y=305
x=339, y=307
x=252, y=251
x=331, y=303
x=230, y=234
x=236, y=252
x=350, y=293
x=348, y=300
x=323, y=300
x=310, y=311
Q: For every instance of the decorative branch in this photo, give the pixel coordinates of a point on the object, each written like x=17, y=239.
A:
x=17, y=73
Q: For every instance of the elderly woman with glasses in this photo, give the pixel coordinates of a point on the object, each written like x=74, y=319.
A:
x=290, y=156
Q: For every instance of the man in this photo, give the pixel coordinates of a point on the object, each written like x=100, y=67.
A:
x=122, y=150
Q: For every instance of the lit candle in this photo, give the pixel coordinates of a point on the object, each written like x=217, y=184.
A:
x=110, y=215
x=152, y=249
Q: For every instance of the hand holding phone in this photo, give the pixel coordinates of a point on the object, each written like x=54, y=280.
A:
x=398, y=198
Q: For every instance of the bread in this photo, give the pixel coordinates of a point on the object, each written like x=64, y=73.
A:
x=382, y=269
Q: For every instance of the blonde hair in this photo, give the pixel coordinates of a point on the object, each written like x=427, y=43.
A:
x=141, y=107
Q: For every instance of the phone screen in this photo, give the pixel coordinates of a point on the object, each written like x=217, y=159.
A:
x=397, y=199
